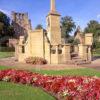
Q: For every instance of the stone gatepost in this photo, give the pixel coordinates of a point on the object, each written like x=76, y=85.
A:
x=47, y=52
x=85, y=52
x=82, y=51
x=54, y=54
x=16, y=51
x=66, y=53
x=76, y=49
x=21, y=50
x=89, y=53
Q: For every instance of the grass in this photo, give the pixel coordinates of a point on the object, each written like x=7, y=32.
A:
x=73, y=72
x=6, y=54
x=96, y=52
x=10, y=91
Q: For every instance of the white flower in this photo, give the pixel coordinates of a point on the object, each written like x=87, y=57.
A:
x=65, y=93
x=35, y=78
x=45, y=75
x=79, y=88
x=71, y=81
x=95, y=77
x=6, y=79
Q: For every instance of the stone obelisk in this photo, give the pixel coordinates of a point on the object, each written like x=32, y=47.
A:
x=53, y=9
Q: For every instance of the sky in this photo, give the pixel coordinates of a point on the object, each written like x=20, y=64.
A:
x=82, y=11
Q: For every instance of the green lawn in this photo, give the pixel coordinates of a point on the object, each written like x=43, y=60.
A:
x=72, y=72
x=77, y=72
x=96, y=52
x=10, y=91
x=6, y=54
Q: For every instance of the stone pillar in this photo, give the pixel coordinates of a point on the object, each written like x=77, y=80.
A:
x=80, y=53
x=16, y=51
x=21, y=55
x=21, y=40
x=47, y=52
x=54, y=55
x=76, y=49
x=89, y=54
x=66, y=53
x=85, y=52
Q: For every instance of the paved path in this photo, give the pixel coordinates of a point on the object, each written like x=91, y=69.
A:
x=95, y=64
x=11, y=62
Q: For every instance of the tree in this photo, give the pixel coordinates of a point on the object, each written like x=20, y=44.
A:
x=6, y=30
x=67, y=26
x=76, y=42
x=4, y=19
x=39, y=26
x=93, y=27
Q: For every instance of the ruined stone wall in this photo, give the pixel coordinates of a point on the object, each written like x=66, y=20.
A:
x=37, y=43
x=47, y=49
x=21, y=23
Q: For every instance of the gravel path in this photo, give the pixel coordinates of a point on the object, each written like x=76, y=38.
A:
x=11, y=62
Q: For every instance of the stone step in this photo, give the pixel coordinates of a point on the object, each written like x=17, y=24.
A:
x=77, y=62
x=83, y=62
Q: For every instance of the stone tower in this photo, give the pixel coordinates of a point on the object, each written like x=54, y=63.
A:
x=21, y=23
x=53, y=25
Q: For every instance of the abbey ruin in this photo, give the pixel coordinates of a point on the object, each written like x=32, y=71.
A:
x=48, y=43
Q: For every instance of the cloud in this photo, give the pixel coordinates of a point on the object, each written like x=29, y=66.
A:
x=6, y=12
x=98, y=16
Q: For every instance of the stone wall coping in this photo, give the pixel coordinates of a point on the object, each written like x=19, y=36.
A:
x=37, y=30
x=61, y=44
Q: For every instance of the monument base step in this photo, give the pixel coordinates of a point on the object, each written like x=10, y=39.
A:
x=77, y=62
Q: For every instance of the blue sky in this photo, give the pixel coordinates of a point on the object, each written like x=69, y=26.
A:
x=81, y=10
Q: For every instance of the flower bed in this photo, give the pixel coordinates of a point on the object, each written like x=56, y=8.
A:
x=36, y=60
x=62, y=87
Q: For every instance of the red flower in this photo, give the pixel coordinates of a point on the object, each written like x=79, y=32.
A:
x=71, y=88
